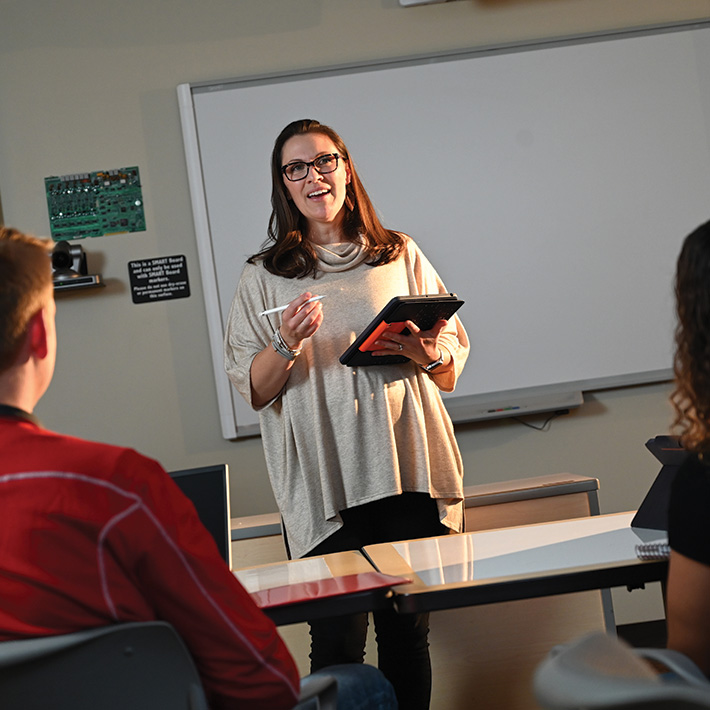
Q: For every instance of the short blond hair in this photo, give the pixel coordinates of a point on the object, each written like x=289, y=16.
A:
x=25, y=281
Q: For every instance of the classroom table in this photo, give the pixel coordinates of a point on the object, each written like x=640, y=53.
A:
x=451, y=571
x=318, y=587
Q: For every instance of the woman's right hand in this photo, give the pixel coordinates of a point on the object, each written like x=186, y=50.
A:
x=301, y=320
x=270, y=370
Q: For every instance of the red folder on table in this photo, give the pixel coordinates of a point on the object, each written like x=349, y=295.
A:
x=321, y=588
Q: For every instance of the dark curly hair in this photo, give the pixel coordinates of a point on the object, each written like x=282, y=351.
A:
x=287, y=251
x=691, y=396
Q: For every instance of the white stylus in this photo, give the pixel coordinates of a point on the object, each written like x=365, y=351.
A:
x=283, y=308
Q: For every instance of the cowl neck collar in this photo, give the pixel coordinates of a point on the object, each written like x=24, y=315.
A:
x=340, y=256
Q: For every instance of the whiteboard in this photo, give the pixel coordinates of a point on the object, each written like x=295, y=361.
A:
x=551, y=186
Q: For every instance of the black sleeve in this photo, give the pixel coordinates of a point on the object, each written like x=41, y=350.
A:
x=688, y=515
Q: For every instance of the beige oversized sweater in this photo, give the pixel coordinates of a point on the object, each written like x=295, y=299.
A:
x=336, y=436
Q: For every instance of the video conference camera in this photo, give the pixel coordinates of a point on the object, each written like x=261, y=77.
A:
x=69, y=270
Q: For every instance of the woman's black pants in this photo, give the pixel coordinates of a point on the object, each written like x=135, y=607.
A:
x=402, y=639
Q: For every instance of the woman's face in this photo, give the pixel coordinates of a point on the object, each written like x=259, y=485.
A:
x=319, y=198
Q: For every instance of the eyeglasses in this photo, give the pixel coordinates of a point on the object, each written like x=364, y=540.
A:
x=323, y=164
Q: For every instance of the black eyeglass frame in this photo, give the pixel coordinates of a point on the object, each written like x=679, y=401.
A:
x=312, y=164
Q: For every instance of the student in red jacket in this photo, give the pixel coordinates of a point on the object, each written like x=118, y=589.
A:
x=93, y=534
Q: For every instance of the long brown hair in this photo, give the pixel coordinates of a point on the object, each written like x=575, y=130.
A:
x=287, y=251
x=691, y=396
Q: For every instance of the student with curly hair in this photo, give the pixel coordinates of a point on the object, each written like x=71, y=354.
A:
x=688, y=593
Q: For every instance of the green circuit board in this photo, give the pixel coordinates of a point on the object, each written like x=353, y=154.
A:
x=95, y=204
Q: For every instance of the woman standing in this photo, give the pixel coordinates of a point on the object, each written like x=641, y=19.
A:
x=355, y=456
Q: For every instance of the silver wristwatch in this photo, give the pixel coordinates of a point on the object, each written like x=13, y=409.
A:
x=433, y=365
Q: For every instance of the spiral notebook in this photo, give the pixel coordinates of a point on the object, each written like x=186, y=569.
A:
x=658, y=550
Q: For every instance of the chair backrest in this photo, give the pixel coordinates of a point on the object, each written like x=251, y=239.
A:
x=141, y=666
x=601, y=672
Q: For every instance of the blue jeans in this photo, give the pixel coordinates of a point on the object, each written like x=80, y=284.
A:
x=360, y=687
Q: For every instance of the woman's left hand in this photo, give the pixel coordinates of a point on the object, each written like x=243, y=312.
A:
x=420, y=346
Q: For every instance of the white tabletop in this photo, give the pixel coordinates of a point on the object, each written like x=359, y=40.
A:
x=524, y=550
x=516, y=555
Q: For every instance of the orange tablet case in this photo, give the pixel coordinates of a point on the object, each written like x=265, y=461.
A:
x=423, y=310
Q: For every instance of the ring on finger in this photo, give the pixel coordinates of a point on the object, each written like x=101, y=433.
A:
x=401, y=347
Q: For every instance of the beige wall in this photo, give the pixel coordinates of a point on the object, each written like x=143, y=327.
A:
x=88, y=86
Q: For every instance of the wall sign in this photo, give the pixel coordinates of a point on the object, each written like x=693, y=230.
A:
x=160, y=279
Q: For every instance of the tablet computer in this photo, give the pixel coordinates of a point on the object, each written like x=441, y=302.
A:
x=423, y=310
x=653, y=511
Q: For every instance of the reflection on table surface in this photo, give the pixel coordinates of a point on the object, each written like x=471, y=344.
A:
x=347, y=576
x=310, y=569
x=525, y=550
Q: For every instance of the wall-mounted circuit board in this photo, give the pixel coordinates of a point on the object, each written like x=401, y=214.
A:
x=95, y=204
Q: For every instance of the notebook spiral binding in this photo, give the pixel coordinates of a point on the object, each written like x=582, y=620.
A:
x=653, y=551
